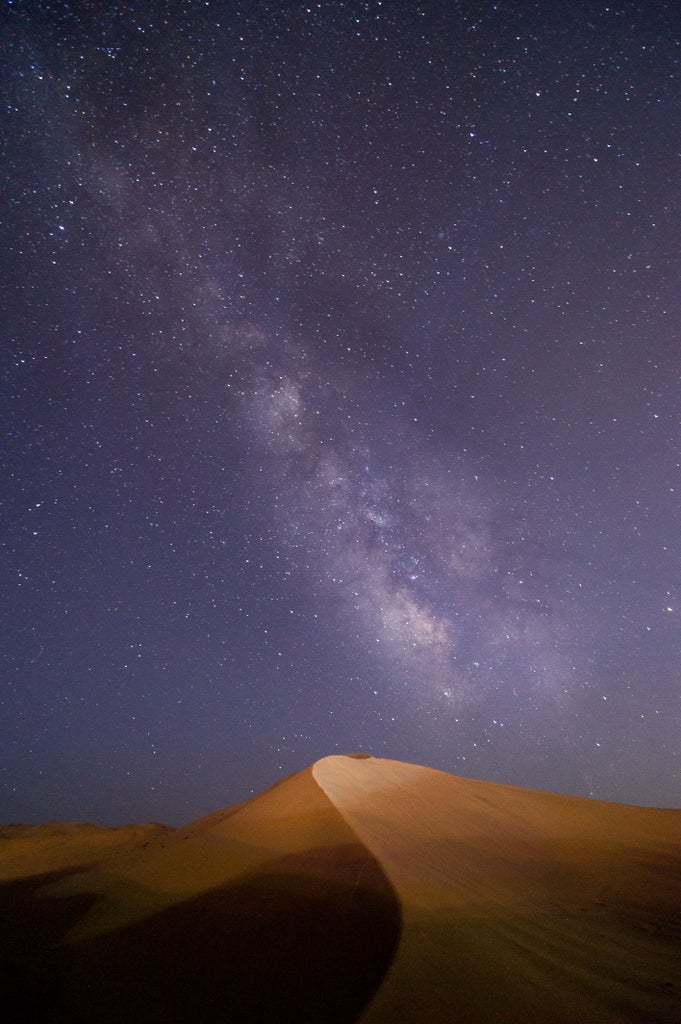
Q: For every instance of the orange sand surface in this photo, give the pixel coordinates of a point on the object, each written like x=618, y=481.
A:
x=360, y=889
x=518, y=905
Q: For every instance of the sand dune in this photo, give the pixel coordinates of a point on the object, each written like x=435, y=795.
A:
x=359, y=889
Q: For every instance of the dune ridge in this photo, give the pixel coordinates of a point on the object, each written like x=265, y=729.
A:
x=359, y=889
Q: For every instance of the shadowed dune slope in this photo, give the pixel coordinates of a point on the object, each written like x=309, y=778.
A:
x=271, y=911
x=517, y=905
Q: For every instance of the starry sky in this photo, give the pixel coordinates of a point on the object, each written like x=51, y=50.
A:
x=341, y=399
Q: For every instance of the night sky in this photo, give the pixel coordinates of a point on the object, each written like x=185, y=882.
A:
x=341, y=406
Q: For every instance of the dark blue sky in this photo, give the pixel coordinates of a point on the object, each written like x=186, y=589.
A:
x=341, y=398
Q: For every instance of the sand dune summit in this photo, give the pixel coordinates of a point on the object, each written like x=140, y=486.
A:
x=359, y=889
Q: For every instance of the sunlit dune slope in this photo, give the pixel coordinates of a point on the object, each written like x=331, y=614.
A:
x=359, y=889
x=518, y=905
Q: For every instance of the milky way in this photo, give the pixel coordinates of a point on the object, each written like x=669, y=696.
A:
x=341, y=396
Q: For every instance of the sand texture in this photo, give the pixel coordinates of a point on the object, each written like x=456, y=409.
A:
x=360, y=889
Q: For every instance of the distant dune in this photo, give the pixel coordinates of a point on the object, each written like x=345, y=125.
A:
x=359, y=889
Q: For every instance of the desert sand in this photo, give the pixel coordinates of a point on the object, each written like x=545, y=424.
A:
x=359, y=889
